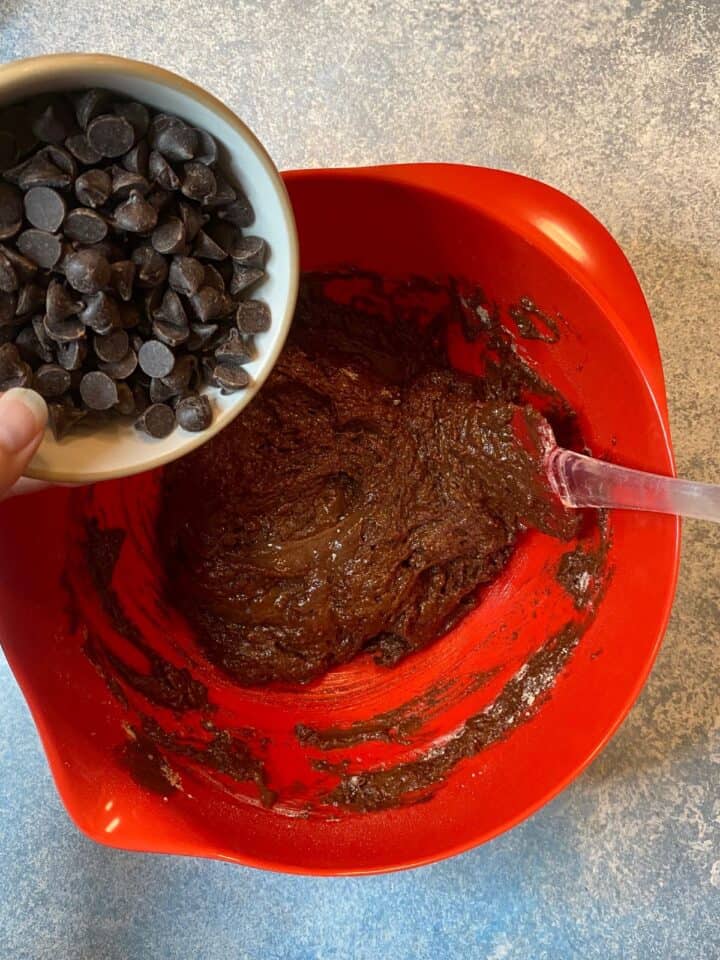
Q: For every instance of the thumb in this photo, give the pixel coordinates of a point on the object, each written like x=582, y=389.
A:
x=23, y=415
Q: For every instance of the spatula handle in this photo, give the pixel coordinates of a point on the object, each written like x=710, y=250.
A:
x=582, y=481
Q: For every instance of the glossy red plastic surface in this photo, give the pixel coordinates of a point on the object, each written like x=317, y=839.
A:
x=514, y=237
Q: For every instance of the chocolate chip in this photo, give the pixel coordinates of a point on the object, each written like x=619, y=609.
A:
x=32, y=349
x=8, y=277
x=194, y=413
x=40, y=330
x=253, y=316
x=225, y=235
x=227, y=306
x=123, y=368
x=193, y=219
x=71, y=354
x=31, y=298
x=59, y=302
x=231, y=377
x=136, y=160
x=173, y=139
x=157, y=124
x=136, y=114
x=181, y=375
x=198, y=182
x=14, y=372
x=206, y=248
x=24, y=267
x=110, y=135
x=201, y=334
x=159, y=393
x=62, y=417
x=233, y=349
x=8, y=303
x=93, y=188
x=212, y=278
x=160, y=199
x=38, y=325
x=152, y=268
x=169, y=237
x=136, y=215
x=54, y=124
x=207, y=369
x=38, y=171
x=125, y=405
x=85, y=225
x=249, y=251
x=61, y=158
x=207, y=304
x=124, y=182
x=48, y=345
x=122, y=275
x=79, y=147
x=90, y=104
x=87, y=271
x=169, y=333
x=41, y=247
x=109, y=248
x=224, y=194
x=51, y=380
x=44, y=208
x=112, y=346
x=186, y=275
x=98, y=390
x=152, y=301
x=161, y=172
x=158, y=421
x=11, y=210
x=63, y=331
x=171, y=310
x=101, y=313
x=156, y=359
x=239, y=212
x=244, y=277
x=206, y=150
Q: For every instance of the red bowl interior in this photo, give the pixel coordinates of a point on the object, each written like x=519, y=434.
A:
x=513, y=237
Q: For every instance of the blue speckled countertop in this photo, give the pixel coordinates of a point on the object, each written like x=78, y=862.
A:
x=618, y=104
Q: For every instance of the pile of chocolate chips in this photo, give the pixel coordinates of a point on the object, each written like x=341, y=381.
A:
x=124, y=271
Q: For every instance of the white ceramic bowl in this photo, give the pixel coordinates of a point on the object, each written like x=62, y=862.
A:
x=118, y=450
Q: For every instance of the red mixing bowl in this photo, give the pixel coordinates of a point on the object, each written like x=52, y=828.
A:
x=514, y=237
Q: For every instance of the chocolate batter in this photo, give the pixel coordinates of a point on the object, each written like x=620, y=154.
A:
x=581, y=571
x=365, y=494
x=518, y=702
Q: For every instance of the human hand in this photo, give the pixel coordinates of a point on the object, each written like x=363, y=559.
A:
x=23, y=415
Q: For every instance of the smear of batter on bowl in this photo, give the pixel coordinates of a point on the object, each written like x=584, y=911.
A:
x=519, y=700
x=396, y=725
x=581, y=571
x=366, y=493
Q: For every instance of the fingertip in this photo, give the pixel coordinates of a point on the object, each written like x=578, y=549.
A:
x=23, y=415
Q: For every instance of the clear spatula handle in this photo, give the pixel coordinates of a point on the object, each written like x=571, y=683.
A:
x=582, y=481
